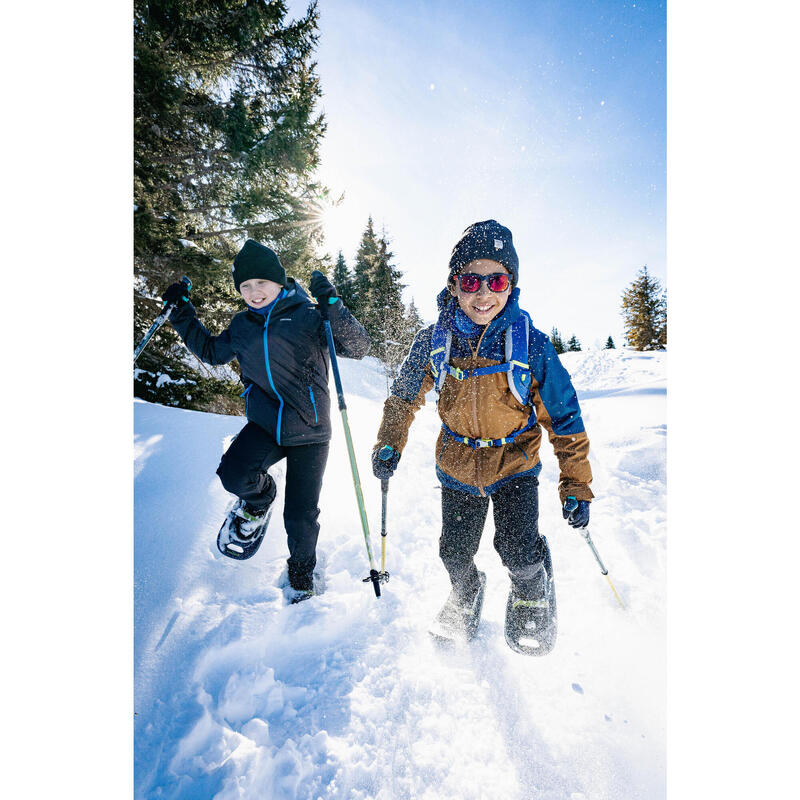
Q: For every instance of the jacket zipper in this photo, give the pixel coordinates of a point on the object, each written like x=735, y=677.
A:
x=478, y=451
x=269, y=378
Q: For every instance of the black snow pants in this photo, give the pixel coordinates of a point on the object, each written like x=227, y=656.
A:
x=517, y=539
x=243, y=472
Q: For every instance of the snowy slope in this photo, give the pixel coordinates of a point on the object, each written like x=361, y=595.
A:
x=345, y=696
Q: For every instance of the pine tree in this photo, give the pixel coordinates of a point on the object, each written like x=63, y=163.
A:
x=558, y=342
x=384, y=314
x=226, y=138
x=610, y=344
x=573, y=345
x=414, y=324
x=376, y=301
x=398, y=347
x=343, y=281
x=644, y=311
x=363, y=271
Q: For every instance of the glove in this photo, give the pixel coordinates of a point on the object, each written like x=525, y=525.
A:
x=177, y=294
x=576, y=512
x=322, y=289
x=384, y=462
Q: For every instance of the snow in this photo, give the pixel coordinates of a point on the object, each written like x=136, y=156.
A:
x=345, y=695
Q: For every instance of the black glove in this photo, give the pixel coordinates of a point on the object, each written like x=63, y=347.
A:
x=576, y=512
x=177, y=294
x=384, y=462
x=322, y=289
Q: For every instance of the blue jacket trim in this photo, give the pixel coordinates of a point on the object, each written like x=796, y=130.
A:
x=452, y=483
x=313, y=403
x=269, y=372
x=246, y=395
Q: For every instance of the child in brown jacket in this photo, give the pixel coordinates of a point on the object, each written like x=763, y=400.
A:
x=499, y=381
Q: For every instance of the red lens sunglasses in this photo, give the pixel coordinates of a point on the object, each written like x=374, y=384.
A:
x=470, y=282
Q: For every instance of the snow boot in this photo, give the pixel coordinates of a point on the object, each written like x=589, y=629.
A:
x=531, y=624
x=304, y=589
x=295, y=596
x=458, y=621
x=243, y=530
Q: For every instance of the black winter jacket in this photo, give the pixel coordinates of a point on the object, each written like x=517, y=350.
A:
x=284, y=361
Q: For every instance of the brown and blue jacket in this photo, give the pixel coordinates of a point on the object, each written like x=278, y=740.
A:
x=483, y=407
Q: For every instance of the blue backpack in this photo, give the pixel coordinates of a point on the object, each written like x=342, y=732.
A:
x=516, y=366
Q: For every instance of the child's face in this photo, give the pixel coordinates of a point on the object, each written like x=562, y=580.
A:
x=259, y=292
x=484, y=305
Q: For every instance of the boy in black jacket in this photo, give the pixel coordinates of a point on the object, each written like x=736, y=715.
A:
x=281, y=347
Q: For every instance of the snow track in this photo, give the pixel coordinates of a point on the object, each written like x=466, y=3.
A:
x=345, y=696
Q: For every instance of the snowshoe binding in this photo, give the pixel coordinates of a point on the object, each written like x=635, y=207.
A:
x=243, y=531
x=458, y=622
x=531, y=623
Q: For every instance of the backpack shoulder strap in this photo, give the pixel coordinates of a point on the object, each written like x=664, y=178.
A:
x=517, y=342
x=441, y=342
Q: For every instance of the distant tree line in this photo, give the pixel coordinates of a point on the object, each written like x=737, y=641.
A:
x=572, y=346
x=644, y=312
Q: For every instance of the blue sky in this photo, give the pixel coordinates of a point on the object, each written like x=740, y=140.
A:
x=547, y=116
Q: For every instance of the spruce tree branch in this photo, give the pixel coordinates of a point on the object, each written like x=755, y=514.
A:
x=196, y=237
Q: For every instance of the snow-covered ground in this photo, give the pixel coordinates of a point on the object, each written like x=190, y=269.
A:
x=345, y=696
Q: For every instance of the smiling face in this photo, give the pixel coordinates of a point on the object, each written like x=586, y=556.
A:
x=484, y=305
x=259, y=292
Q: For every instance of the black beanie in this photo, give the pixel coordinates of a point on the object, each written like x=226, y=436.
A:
x=255, y=260
x=487, y=239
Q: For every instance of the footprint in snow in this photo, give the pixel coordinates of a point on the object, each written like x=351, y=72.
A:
x=576, y=687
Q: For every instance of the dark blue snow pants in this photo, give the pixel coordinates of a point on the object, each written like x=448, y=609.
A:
x=243, y=472
x=516, y=539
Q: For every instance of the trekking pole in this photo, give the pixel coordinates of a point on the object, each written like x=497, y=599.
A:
x=384, y=497
x=569, y=507
x=374, y=576
x=159, y=321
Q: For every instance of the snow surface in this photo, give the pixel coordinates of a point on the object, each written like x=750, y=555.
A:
x=345, y=696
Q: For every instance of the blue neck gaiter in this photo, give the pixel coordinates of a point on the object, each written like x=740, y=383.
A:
x=266, y=309
x=465, y=325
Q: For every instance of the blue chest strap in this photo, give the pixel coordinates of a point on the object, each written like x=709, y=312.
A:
x=516, y=367
x=516, y=364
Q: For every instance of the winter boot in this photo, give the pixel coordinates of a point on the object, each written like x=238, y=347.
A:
x=531, y=617
x=459, y=620
x=243, y=530
x=296, y=596
x=297, y=588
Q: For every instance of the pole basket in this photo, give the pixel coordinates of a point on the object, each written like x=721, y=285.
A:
x=376, y=579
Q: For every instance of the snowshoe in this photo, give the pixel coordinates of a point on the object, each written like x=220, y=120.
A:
x=243, y=531
x=457, y=622
x=531, y=623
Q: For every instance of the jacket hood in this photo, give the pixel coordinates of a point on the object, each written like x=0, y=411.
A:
x=295, y=294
